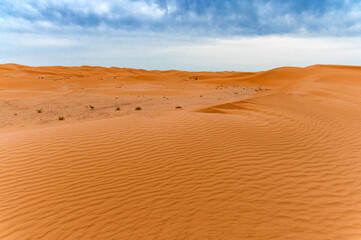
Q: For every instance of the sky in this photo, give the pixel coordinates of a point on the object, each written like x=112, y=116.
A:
x=193, y=35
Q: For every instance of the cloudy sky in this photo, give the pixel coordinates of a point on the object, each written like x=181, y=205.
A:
x=241, y=35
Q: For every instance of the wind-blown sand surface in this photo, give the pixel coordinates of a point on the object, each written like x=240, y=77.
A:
x=268, y=155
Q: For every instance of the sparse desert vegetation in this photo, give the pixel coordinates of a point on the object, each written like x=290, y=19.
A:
x=86, y=104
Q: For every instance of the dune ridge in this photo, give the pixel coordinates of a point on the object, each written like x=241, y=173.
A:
x=278, y=160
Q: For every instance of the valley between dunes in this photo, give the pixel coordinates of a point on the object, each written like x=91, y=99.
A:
x=210, y=155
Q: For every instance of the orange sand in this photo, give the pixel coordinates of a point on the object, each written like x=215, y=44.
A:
x=268, y=155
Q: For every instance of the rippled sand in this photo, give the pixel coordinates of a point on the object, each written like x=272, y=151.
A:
x=268, y=155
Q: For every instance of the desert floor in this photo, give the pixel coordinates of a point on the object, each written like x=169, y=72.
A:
x=210, y=155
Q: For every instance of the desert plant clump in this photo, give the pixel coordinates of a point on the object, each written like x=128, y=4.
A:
x=39, y=110
x=91, y=107
x=138, y=108
x=61, y=118
x=117, y=109
x=178, y=107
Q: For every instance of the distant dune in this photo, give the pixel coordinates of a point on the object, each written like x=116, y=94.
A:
x=209, y=155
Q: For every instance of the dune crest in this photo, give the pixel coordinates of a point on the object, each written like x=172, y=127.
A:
x=268, y=155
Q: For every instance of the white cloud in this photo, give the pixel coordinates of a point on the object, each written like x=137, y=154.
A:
x=38, y=41
x=102, y=8
x=108, y=7
x=152, y=10
x=229, y=17
x=260, y=53
x=164, y=52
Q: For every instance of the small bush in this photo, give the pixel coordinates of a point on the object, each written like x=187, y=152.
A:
x=138, y=108
x=91, y=107
x=117, y=109
x=61, y=118
x=178, y=107
x=39, y=110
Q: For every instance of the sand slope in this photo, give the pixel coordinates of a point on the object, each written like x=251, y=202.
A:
x=278, y=160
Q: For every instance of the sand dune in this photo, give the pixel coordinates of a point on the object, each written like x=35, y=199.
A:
x=268, y=155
